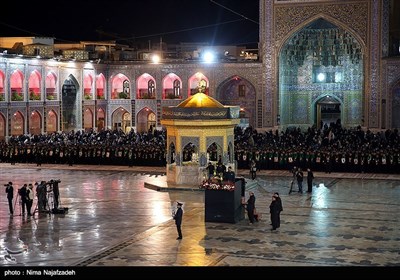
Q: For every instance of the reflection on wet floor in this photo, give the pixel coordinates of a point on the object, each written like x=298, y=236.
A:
x=113, y=220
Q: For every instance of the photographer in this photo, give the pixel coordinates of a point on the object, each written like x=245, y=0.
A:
x=23, y=193
x=56, y=192
x=41, y=195
x=29, y=199
x=10, y=196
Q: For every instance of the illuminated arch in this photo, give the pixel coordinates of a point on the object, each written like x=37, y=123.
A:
x=51, y=121
x=17, y=124
x=101, y=119
x=146, y=87
x=2, y=127
x=34, y=85
x=87, y=86
x=51, y=86
x=121, y=119
x=100, y=86
x=146, y=119
x=172, y=87
x=87, y=119
x=16, y=85
x=120, y=87
x=2, y=93
x=35, y=123
x=198, y=83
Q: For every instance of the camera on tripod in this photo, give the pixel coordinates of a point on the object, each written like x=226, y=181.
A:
x=52, y=181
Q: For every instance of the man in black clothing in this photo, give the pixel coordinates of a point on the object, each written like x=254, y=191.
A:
x=10, y=196
x=56, y=193
x=230, y=175
x=211, y=169
x=310, y=177
x=299, y=177
x=178, y=219
x=23, y=193
x=280, y=209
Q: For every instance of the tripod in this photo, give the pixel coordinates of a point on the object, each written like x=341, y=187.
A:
x=19, y=203
x=291, y=187
x=50, y=202
x=15, y=203
x=36, y=208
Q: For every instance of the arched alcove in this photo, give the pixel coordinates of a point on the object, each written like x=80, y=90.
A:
x=146, y=87
x=198, y=83
x=88, y=119
x=100, y=86
x=16, y=86
x=121, y=119
x=321, y=58
x=51, y=86
x=237, y=91
x=69, y=104
x=146, y=120
x=172, y=87
x=17, y=124
x=120, y=87
x=34, y=85
x=35, y=123
x=2, y=127
x=51, y=122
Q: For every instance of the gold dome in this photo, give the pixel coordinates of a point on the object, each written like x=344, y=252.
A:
x=200, y=100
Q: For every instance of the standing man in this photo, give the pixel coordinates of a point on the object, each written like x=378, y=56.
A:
x=178, y=219
x=41, y=196
x=274, y=211
x=230, y=175
x=22, y=193
x=253, y=170
x=299, y=177
x=56, y=193
x=211, y=169
x=250, y=206
x=280, y=209
x=310, y=177
x=29, y=199
x=10, y=196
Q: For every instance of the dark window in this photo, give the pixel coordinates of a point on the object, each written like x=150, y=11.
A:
x=242, y=90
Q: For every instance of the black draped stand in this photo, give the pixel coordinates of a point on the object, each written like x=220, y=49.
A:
x=224, y=206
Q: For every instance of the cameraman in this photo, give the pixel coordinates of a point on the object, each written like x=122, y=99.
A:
x=23, y=194
x=29, y=199
x=56, y=193
x=41, y=195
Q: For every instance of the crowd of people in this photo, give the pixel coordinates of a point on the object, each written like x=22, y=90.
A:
x=108, y=147
x=330, y=148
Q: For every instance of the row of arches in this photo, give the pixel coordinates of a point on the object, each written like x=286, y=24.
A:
x=36, y=123
x=96, y=87
x=72, y=114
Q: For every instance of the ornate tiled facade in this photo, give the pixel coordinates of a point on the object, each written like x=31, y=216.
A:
x=367, y=22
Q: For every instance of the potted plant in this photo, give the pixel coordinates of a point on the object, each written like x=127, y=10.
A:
x=122, y=95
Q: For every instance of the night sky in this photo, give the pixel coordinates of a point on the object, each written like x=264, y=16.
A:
x=219, y=22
